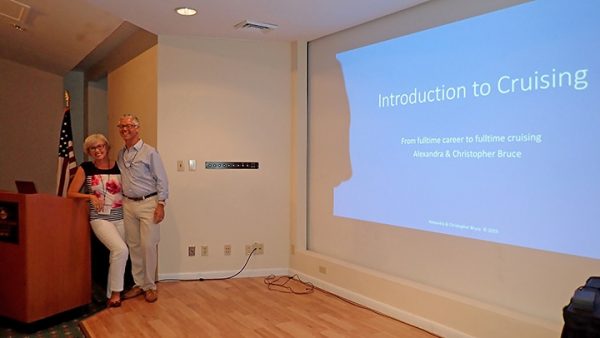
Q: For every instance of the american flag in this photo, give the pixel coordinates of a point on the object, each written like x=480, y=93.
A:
x=67, y=165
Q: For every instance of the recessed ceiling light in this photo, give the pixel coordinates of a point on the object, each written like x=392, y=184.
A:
x=186, y=11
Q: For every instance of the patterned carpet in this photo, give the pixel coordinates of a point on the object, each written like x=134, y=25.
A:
x=59, y=326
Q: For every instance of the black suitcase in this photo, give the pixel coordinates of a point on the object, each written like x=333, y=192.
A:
x=582, y=314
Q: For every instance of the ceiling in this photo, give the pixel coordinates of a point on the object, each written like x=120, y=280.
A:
x=58, y=35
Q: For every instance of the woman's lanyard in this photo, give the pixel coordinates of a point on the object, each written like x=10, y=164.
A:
x=103, y=186
x=105, y=208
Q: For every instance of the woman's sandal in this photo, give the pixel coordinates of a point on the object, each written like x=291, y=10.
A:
x=113, y=303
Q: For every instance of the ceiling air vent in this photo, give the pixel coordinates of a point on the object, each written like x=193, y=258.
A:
x=14, y=11
x=254, y=25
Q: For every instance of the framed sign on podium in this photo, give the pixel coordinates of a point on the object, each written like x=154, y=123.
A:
x=9, y=222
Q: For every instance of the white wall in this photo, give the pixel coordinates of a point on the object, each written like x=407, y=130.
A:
x=224, y=100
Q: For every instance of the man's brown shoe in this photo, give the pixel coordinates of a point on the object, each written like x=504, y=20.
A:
x=151, y=295
x=133, y=292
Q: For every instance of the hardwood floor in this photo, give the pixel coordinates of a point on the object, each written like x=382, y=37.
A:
x=243, y=307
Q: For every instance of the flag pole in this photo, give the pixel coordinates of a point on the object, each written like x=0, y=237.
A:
x=67, y=100
x=67, y=164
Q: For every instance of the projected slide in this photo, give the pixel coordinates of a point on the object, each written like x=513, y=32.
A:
x=487, y=128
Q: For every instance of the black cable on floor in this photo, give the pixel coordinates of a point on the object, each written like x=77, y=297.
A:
x=219, y=278
x=279, y=284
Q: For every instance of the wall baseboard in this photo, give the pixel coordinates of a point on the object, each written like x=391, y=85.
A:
x=437, y=311
x=403, y=316
x=166, y=277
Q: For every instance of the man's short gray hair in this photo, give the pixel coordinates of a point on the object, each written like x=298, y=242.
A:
x=133, y=118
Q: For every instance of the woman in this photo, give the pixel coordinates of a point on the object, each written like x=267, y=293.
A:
x=102, y=180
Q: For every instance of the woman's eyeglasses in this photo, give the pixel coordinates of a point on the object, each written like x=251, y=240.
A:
x=97, y=147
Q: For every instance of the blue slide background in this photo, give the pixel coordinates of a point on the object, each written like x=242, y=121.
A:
x=548, y=199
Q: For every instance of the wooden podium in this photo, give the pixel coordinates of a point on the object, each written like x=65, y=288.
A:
x=44, y=256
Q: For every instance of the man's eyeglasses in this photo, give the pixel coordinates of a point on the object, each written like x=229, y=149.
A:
x=98, y=147
x=126, y=126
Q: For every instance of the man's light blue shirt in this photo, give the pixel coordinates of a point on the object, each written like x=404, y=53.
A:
x=142, y=172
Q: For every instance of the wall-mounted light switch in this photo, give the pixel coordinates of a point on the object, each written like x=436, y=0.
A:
x=192, y=165
x=180, y=166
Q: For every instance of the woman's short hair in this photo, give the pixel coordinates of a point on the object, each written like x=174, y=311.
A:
x=93, y=139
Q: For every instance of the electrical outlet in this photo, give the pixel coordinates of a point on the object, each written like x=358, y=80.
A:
x=191, y=251
x=260, y=248
x=322, y=269
x=257, y=247
x=204, y=250
x=227, y=250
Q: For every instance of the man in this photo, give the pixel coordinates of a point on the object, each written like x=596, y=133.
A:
x=145, y=191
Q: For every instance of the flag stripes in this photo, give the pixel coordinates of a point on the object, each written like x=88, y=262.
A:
x=67, y=165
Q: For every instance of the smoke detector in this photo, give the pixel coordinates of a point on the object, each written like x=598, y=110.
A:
x=255, y=25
